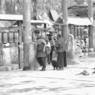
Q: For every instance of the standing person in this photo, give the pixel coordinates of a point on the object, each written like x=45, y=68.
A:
x=48, y=50
x=52, y=43
x=60, y=48
x=41, y=54
x=70, y=48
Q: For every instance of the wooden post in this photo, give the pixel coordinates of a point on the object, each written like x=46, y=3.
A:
x=1, y=55
x=90, y=37
x=65, y=16
x=20, y=49
x=3, y=7
x=65, y=26
x=26, y=32
x=90, y=14
x=2, y=11
x=34, y=9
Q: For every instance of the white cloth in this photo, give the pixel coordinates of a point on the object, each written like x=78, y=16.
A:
x=48, y=45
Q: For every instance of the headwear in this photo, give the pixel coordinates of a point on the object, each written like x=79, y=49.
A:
x=51, y=29
x=41, y=41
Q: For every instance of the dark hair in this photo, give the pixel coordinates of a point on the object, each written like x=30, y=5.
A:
x=59, y=35
x=36, y=31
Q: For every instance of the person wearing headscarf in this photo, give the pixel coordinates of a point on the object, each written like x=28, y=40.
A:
x=70, y=48
x=41, y=54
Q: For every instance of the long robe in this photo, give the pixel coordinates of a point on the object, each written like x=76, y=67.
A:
x=61, y=58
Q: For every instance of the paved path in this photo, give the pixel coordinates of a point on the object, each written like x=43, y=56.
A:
x=65, y=82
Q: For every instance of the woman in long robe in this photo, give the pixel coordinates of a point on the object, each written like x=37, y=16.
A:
x=60, y=47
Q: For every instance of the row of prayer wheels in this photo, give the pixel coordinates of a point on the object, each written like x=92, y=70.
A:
x=9, y=37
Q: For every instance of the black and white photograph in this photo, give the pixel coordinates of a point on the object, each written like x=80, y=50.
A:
x=47, y=47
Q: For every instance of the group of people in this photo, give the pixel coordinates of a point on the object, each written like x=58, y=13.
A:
x=46, y=46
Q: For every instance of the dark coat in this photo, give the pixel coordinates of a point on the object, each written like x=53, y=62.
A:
x=40, y=50
x=60, y=45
